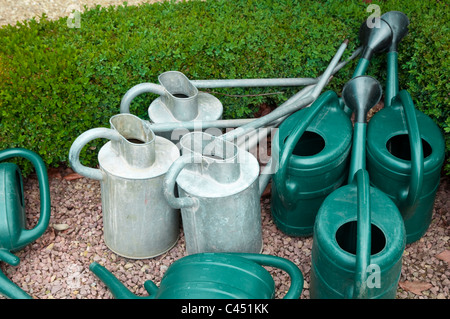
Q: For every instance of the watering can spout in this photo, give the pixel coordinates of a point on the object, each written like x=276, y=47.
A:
x=10, y=289
x=7, y=287
x=118, y=290
x=398, y=23
x=360, y=94
x=374, y=38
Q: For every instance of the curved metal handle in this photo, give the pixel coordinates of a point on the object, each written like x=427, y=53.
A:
x=118, y=289
x=295, y=136
x=138, y=90
x=29, y=235
x=363, y=233
x=288, y=266
x=170, y=180
x=410, y=197
x=80, y=142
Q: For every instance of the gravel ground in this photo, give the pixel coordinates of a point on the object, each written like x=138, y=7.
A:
x=56, y=265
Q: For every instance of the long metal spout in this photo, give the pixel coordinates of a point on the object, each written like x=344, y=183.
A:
x=291, y=105
x=225, y=83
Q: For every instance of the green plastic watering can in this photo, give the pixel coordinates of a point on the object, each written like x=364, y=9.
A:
x=13, y=232
x=405, y=148
x=213, y=276
x=359, y=235
x=313, y=147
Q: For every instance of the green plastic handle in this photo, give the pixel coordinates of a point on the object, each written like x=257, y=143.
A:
x=288, y=266
x=119, y=290
x=29, y=235
x=363, y=233
x=358, y=159
x=410, y=197
x=295, y=136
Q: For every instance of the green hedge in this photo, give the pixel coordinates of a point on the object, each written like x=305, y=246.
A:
x=57, y=82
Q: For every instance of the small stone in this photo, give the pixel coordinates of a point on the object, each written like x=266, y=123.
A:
x=60, y=227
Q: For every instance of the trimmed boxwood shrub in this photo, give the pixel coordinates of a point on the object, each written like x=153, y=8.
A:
x=57, y=82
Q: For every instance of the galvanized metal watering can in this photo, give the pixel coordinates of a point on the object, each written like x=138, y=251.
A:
x=179, y=101
x=219, y=186
x=359, y=235
x=219, y=195
x=405, y=148
x=213, y=276
x=13, y=232
x=137, y=220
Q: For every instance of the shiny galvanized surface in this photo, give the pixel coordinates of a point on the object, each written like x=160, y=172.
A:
x=179, y=101
x=165, y=124
x=218, y=195
x=138, y=222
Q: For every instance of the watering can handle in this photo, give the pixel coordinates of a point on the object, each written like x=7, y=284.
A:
x=295, y=136
x=138, y=90
x=80, y=142
x=410, y=197
x=171, y=177
x=29, y=235
x=284, y=264
x=363, y=233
